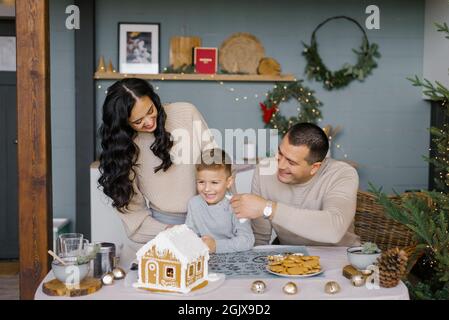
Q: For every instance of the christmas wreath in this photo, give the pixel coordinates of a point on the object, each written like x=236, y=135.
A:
x=316, y=69
x=308, y=106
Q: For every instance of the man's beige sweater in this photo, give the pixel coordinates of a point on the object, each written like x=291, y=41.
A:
x=168, y=191
x=318, y=212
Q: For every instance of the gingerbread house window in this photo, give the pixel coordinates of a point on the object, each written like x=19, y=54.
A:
x=199, y=266
x=191, y=270
x=169, y=272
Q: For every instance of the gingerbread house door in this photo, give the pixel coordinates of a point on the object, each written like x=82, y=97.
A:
x=152, y=272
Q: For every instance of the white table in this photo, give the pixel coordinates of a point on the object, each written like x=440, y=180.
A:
x=333, y=259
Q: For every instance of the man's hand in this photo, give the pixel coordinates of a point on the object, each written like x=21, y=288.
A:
x=210, y=242
x=249, y=206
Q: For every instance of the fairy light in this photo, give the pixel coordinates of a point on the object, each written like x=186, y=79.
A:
x=300, y=99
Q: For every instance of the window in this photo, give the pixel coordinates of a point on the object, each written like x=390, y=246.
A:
x=198, y=266
x=169, y=272
x=191, y=270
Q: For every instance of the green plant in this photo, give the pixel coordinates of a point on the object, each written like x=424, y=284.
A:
x=369, y=248
x=429, y=220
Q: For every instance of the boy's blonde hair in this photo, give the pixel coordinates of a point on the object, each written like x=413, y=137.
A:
x=214, y=159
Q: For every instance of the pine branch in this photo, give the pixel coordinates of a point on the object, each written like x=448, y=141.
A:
x=443, y=28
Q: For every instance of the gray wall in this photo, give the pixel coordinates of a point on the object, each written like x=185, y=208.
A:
x=7, y=10
x=62, y=48
x=384, y=118
x=436, y=47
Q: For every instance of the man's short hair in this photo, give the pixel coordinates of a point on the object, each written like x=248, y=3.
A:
x=215, y=159
x=312, y=136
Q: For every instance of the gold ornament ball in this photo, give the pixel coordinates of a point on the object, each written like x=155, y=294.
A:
x=107, y=279
x=358, y=280
x=290, y=288
x=258, y=286
x=332, y=287
x=118, y=273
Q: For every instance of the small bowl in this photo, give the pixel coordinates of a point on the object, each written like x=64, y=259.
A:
x=70, y=274
x=361, y=260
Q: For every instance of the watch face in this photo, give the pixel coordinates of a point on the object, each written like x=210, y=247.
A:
x=267, y=211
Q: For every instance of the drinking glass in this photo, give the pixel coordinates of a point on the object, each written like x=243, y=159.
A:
x=71, y=244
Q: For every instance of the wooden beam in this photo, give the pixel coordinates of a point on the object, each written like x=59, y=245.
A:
x=34, y=146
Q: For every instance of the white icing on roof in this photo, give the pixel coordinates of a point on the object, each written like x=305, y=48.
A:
x=181, y=241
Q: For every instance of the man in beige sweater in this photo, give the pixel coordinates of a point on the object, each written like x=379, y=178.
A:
x=308, y=200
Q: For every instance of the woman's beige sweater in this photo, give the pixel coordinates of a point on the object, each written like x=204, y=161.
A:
x=168, y=191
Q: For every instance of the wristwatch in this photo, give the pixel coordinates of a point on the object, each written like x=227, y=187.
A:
x=268, y=210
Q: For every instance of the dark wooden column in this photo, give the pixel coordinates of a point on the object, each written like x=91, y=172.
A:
x=85, y=111
x=34, y=146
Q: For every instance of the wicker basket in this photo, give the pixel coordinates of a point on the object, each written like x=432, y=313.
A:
x=372, y=225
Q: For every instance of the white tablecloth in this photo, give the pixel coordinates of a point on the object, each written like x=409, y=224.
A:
x=333, y=259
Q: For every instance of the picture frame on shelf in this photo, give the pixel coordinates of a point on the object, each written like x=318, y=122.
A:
x=139, y=47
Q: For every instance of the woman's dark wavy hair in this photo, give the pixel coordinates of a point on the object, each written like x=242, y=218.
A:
x=120, y=153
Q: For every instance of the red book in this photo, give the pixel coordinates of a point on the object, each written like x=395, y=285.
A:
x=206, y=60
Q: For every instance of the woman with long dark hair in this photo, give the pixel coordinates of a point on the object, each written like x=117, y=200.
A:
x=147, y=184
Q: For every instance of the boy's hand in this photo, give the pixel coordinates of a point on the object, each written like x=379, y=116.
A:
x=210, y=242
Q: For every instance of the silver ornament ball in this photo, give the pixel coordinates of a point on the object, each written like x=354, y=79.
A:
x=290, y=288
x=332, y=287
x=258, y=286
x=107, y=279
x=118, y=273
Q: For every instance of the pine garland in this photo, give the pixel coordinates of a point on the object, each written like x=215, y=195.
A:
x=316, y=69
x=308, y=106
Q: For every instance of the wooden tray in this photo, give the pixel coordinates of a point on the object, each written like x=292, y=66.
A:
x=57, y=288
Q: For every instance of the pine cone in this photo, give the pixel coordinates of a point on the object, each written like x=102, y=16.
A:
x=392, y=267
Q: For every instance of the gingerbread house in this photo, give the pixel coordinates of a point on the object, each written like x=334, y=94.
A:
x=175, y=260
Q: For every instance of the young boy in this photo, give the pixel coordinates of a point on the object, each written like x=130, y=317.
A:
x=209, y=213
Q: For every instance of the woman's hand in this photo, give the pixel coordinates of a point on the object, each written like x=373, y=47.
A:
x=210, y=242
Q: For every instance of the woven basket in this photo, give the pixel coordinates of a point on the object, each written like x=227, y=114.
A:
x=372, y=225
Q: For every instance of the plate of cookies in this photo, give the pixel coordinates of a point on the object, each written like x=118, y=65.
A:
x=294, y=265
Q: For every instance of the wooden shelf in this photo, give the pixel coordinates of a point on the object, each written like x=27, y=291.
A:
x=196, y=77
